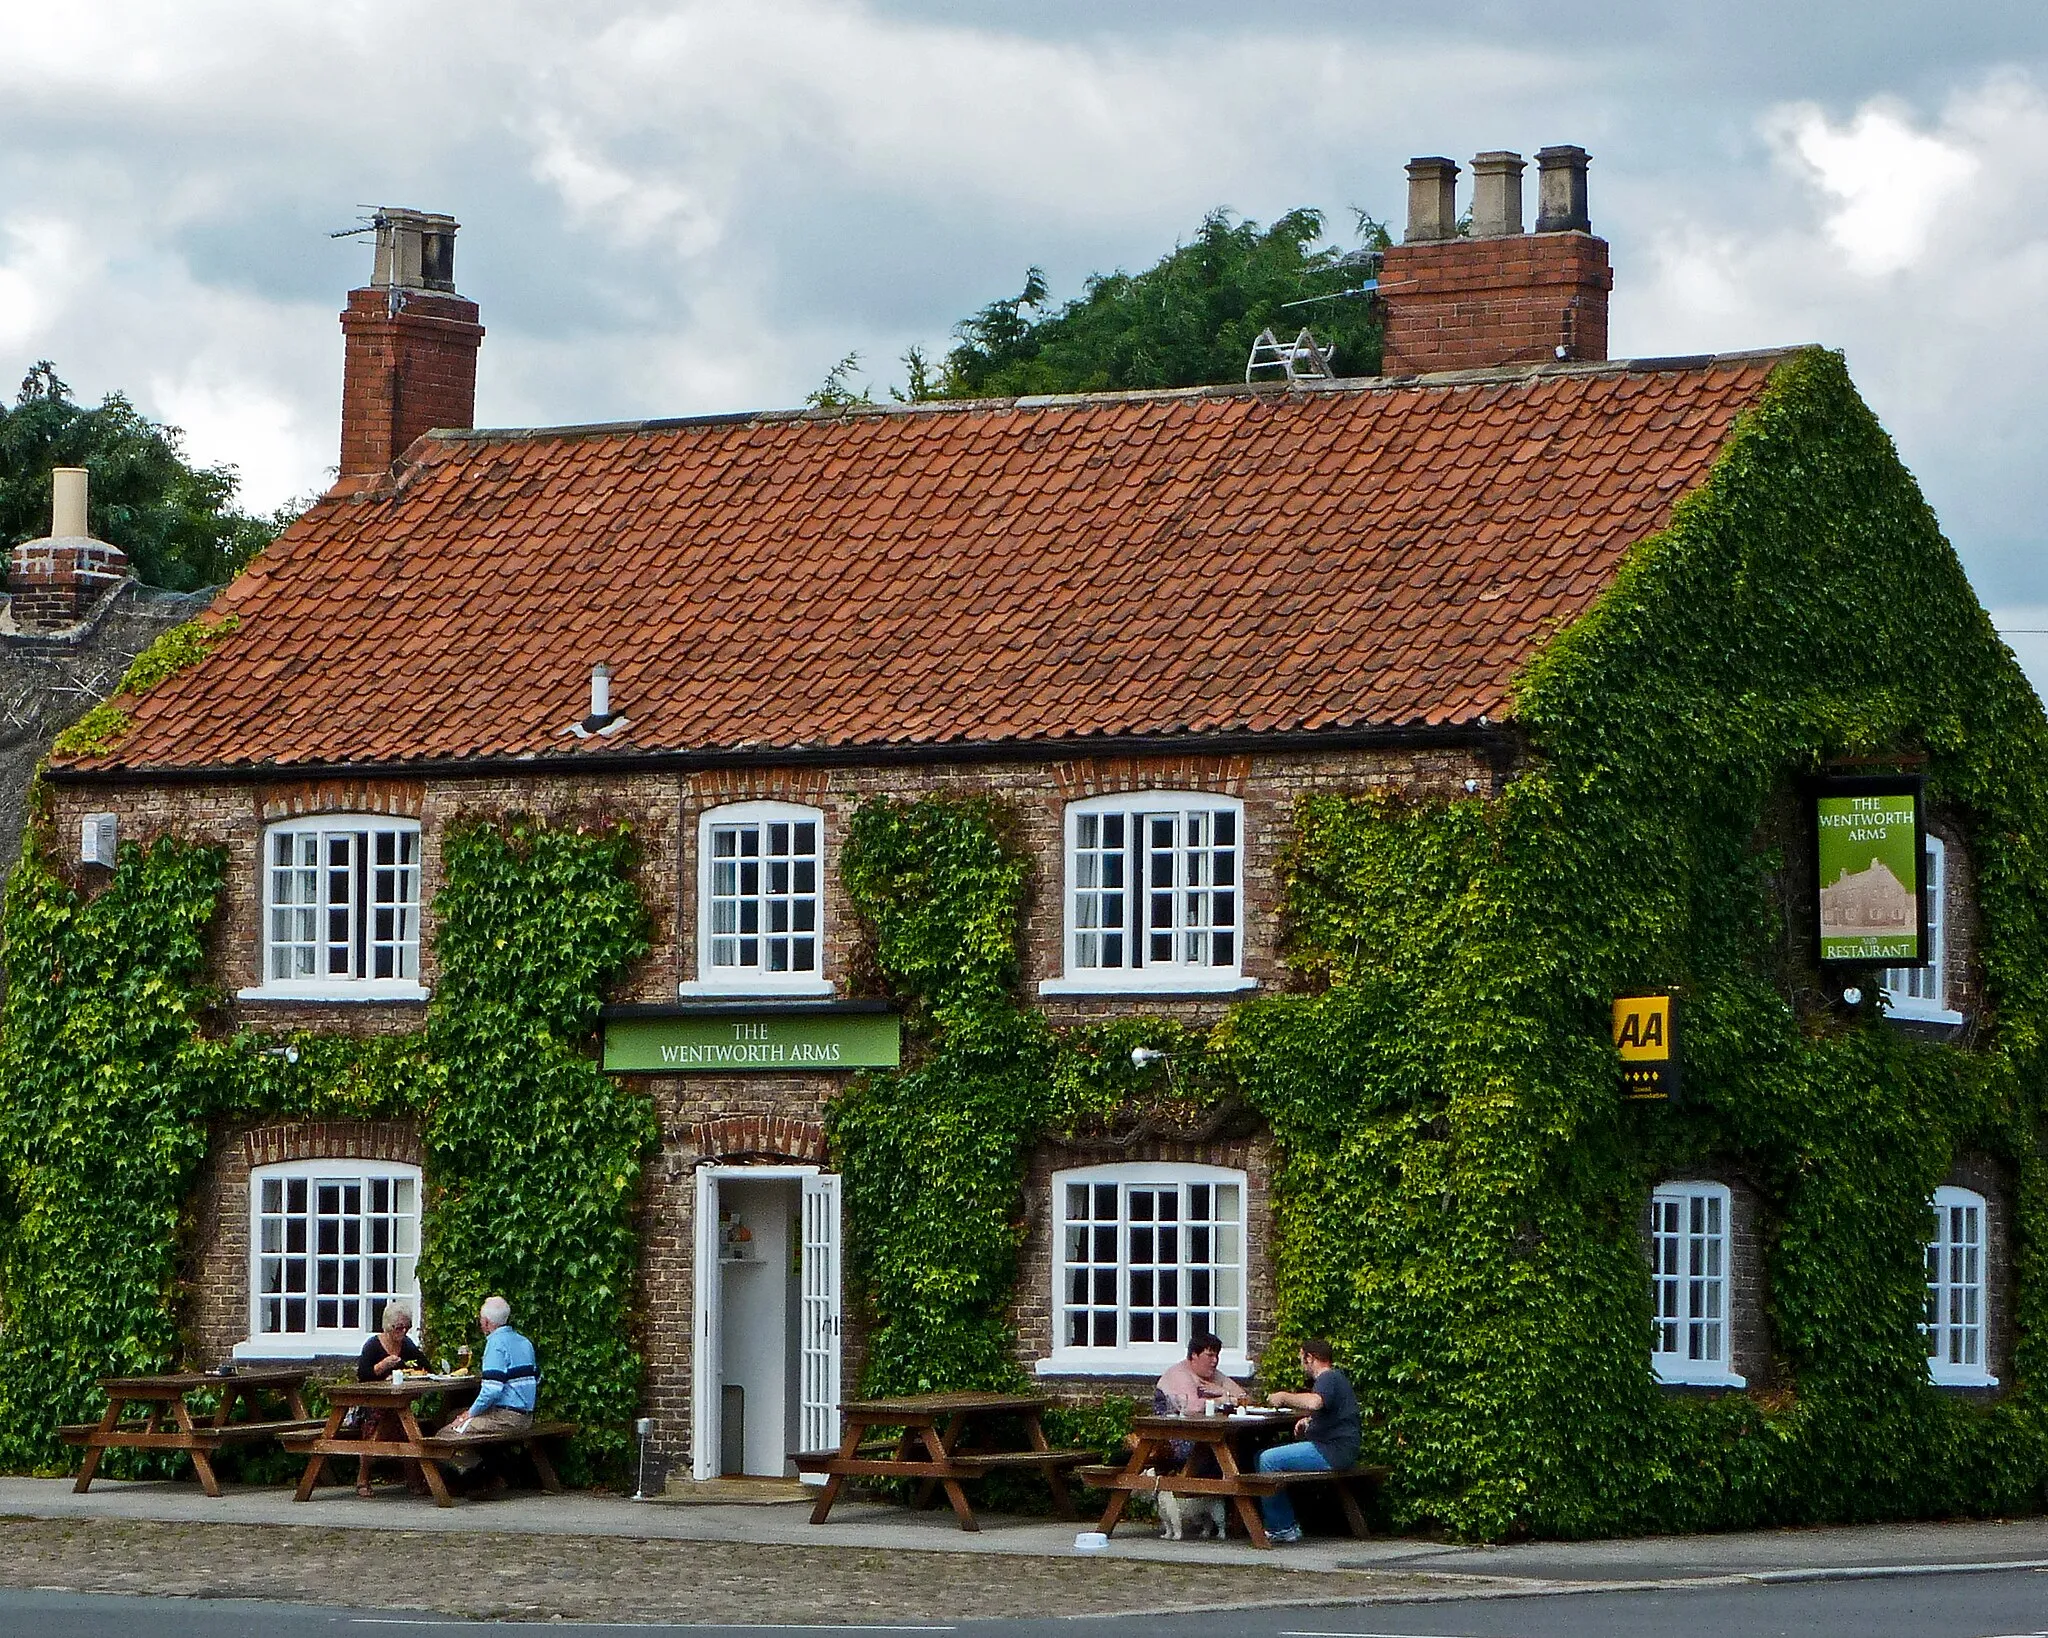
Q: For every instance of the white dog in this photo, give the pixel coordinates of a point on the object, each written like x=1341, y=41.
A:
x=1190, y=1517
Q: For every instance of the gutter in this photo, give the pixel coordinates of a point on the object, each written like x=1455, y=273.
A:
x=1497, y=743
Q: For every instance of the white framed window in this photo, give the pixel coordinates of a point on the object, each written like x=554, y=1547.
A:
x=1145, y=1255
x=341, y=909
x=1957, y=1309
x=1154, y=894
x=1922, y=992
x=760, y=901
x=1689, y=1241
x=330, y=1243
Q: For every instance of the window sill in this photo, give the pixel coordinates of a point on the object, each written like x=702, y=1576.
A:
x=340, y=1345
x=370, y=990
x=1908, y=1013
x=731, y=989
x=1979, y=1380
x=1177, y=982
x=1698, y=1379
x=1131, y=1362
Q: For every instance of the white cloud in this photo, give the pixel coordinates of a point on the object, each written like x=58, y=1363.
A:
x=1893, y=181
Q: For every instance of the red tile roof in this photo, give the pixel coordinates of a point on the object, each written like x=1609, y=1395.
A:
x=1051, y=571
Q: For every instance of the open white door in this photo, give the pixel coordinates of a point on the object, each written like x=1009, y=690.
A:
x=709, y=1354
x=820, y=1340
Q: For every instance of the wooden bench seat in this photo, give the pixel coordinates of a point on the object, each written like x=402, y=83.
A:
x=977, y=1461
x=1249, y=1484
x=134, y=1437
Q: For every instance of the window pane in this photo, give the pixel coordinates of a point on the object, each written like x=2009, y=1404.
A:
x=349, y=1241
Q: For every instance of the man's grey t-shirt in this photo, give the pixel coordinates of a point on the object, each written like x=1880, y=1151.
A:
x=1333, y=1430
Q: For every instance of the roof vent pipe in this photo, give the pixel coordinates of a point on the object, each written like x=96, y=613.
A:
x=1497, y=194
x=601, y=693
x=1561, y=190
x=67, y=504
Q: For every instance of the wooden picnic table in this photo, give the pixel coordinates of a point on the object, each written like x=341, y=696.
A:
x=166, y=1393
x=1152, y=1438
x=941, y=1439
x=393, y=1429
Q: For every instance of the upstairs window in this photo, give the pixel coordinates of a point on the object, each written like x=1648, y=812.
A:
x=1956, y=1306
x=1147, y=1254
x=1922, y=992
x=1689, y=1284
x=760, y=899
x=331, y=1242
x=1155, y=894
x=341, y=908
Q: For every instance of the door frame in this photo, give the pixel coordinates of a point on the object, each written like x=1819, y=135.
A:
x=707, y=1363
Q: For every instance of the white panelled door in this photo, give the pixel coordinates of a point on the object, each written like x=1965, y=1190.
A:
x=709, y=1374
x=820, y=1338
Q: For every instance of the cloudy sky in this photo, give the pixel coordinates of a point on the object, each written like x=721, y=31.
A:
x=698, y=205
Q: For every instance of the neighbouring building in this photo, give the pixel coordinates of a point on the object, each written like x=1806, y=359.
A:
x=1151, y=624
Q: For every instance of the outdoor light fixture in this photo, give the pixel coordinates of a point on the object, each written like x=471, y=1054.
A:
x=1146, y=1057
x=1852, y=997
x=290, y=1054
x=644, y=1427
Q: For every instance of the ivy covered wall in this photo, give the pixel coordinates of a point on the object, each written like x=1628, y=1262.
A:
x=109, y=1089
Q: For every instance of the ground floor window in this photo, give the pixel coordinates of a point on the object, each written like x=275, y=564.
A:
x=331, y=1242
x=1689, y=1283
x=1956, y=1306
x=1145, y=1255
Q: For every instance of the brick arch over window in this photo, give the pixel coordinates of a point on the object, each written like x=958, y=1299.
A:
x=398, y=798
x=394, y=1140
x=748, y=1137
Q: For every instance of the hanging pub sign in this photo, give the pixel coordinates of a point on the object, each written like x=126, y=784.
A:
x=1646, y=1037
x=1870, y=871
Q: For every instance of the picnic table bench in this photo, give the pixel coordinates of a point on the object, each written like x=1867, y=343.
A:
x=166, y=1393
x=393, y=1430
x=1152, y=1438
x=941, y=1440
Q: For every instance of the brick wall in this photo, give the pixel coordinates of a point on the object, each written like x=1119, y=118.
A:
x=1470, y=304
x=410, y=366
x=214, y=1314
x=52, y=584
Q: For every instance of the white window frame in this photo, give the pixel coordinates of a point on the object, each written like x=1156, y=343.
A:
x=755, y=979
x=1174, y=975
x=337, y=1340
x=1922, y=992
x=407, y=943
x=1959, y=1291
x=1692, y=1282
x=1127, y=1358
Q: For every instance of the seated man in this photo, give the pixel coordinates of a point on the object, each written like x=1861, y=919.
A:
x=1329, y=1434
x=511, y=1384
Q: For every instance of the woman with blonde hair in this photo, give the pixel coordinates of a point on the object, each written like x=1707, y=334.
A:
x=391, y=1349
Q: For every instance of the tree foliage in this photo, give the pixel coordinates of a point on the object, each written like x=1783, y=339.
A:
x=1188, y=320
x=177, y=522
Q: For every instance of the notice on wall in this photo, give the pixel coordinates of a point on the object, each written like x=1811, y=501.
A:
x=1645, y=1036
x=1869, y=848
x=709, y=1042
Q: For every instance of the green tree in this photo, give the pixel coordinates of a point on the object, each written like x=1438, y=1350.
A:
x=1188, y=320
x=177, y=522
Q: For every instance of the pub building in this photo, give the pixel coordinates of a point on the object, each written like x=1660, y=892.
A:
x=1148, y=623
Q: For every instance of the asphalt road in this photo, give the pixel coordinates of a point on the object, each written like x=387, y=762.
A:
x=1989, y=1604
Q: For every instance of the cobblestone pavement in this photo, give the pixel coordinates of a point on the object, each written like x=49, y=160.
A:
x=614, y=1578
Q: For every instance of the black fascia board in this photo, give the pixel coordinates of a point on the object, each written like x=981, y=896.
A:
x=1493, y=740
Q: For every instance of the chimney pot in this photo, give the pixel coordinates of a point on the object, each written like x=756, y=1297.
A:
x=1497, y=194
x=1561, y=190
x=600, y=693
x=1432, y=199
x=67, y=503
x=415, y=250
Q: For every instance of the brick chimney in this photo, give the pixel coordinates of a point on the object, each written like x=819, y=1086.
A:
x=1498, y=295
x=54, y=582
x=411, y=346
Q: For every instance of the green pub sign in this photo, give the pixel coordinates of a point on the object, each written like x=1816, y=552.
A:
x=1870, y=875
x=714, y=1042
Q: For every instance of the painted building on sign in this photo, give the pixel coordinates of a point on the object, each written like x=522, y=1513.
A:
x=1156, y=630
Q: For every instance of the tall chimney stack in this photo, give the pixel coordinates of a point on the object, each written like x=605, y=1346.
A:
x=1498, y=295
x=411, y=346
x=55, y=582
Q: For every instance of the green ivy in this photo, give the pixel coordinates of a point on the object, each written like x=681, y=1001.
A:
x=535, y=1154
x=109, y=1088
x=178, y=649
x=1462, y=1190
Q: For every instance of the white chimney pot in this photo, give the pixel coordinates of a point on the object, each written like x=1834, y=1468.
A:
x=600, y=691
x=67, y=503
